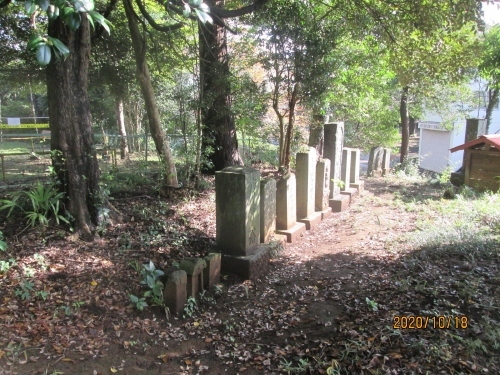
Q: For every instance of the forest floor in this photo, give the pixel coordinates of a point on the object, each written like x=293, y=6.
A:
x=403, y=282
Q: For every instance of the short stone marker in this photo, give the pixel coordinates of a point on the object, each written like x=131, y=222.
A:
x=194, y=270
x=355, y=160
x=267, y=209
x=323, y=188
x=375, y=162
x=306, y=189
x=286, y=209
x=237, y=199
x=347, y=190
x=386, y=162
x=175, y=292
x=211, y=273
x=332, y=150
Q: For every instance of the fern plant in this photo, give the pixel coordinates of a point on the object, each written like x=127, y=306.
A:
x=38, y=205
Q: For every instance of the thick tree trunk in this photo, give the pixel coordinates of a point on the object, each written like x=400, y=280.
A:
x=405, y=126
x=161, y=143
x=219, y=131
x=493, y=95
x=122, y=130
x=74, y=157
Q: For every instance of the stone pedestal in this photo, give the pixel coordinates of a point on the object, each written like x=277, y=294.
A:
x=211, y=273
x=286, y=209
x=306, y=189
x=238, y=225
x=386, y=162
x=360, y=187
x=332, y=150
x=267, y=209
x=194, y=270
x=375, y=162
x=340, y=203
x=322, y=184
x=175, y=292
x=345, y=174
x=237, y=200
x=354, y=174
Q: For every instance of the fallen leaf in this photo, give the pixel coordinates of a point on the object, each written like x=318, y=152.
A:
x=188, y=362
x=112, y=369
x=93, y=283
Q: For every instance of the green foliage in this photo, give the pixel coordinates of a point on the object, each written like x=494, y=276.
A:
x=3, y=244
x=25, y=289
x=489, y=66
x=154, y=295
x=191, y=307
x=38, y=205
x=6, y=265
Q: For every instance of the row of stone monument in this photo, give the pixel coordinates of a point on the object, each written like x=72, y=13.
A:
x=251, y=213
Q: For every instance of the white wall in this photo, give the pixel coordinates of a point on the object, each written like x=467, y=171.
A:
x=434, y=146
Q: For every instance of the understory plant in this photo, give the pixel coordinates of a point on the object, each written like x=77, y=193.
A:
x=154, y=294
x=38, y=205
x=3, y=244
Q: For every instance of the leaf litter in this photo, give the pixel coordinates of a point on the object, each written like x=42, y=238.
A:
x=327, y=306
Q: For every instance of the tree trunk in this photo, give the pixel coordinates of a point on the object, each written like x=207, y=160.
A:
x=291, y=122
x=122, y=130
x=219, y=132
x=412, y=126
x=161, y=143
x=74, y=157
x=405, y=126
x=493, y=95
x=316, y=134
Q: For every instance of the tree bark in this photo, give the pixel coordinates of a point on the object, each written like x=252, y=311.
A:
x=291, y=122
x=412, y=124
x=74, y=157
x=405, y=126
x=316, y=134
x=122, y=130
x=144, y=78
x=219, y=130
x=493, y=95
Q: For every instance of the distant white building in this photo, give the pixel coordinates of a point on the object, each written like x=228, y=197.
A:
x=436, y=139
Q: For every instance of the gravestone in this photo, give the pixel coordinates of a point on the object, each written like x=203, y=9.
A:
x=175, y=292
x=306, y=188
x=286, y=209
x=356, y=183
x=211, y=273
x=375, y=162
x=322, y=195
x=332, y=150
x=267, y=209
x=345, y=174
x=237, y=199
x=194, y=270
x=386, y=162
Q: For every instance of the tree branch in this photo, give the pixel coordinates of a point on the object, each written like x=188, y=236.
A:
x=153, y=23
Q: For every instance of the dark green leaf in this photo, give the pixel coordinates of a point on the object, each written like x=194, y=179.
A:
x=34, y=41
x=53, y=12
x=74, y=20
x=43, y=54
x=43, y=4
x=84, y=5
x=61, y=48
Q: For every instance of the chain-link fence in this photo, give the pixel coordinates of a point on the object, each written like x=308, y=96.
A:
x=25, y=157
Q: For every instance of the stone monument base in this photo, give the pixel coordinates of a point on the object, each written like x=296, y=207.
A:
x=351, y=193
x=249, y=267
x=312, y=220
x=339, y=203
x=293, y=234
x=360, y=186
x=326, y=213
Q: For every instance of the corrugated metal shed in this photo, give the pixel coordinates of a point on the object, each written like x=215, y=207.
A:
x=492, y=139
